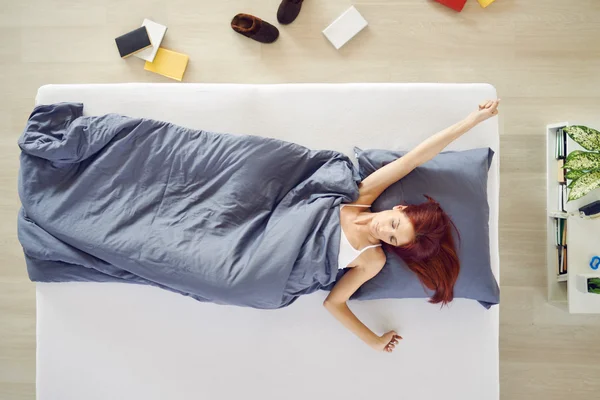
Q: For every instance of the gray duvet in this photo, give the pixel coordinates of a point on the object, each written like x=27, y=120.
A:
x=240, y=220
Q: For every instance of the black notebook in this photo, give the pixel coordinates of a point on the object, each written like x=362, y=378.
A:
x=133, y=42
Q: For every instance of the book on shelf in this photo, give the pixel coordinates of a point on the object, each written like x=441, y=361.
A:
x=561, y=231
x=560, y=226
x=559, y=249
x=562, y=259
x=561, y=171
x=564, y=242
x=560, y=148
x=562, y=198
x=560, y=151
x=559, y=198
x=564, y=142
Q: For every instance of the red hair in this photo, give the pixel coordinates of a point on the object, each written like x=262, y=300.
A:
x=432, y=253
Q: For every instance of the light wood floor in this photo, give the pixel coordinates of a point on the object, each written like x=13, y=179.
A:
x=542, y=56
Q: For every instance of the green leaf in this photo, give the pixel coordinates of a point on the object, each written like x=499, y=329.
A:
x=593, y=285
x=583, y=161
x=571, y=184
x=587, y=138
x=574, y=175
x=584, y=185
x=594, y=281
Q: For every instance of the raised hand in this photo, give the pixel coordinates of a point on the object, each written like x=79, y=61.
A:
x=487, y=109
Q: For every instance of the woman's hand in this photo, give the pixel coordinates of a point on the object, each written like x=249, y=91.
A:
x=387, y=342
x=487, y=109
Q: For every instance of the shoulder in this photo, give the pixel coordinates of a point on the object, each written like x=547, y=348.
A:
x=377, y=256
x=372, y=260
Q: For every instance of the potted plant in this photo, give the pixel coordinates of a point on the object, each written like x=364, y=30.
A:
x=583, y=167
x=593, y=285
x=588, y=283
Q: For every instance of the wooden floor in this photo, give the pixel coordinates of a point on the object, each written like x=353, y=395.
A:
x=542, y=56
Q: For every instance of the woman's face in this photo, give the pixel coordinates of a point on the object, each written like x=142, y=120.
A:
x=392, y=227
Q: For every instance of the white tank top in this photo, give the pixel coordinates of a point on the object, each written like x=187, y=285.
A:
x=347, y=252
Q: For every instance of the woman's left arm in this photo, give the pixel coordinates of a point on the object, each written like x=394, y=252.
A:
x=372, y=186
x=337, y=301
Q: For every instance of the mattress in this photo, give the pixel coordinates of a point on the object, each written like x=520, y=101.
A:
x=118, y=341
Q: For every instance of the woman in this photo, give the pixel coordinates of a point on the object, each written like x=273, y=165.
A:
x=420, y=234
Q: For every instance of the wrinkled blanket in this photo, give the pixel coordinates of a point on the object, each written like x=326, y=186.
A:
x=240, y=220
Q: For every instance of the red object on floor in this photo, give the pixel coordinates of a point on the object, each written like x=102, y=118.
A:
x=453, y=4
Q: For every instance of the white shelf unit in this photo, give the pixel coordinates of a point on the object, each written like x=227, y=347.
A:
x=557, y=285
x=583, y=237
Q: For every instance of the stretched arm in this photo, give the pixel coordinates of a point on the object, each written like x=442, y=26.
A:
x=384, y=177
x=336, y=304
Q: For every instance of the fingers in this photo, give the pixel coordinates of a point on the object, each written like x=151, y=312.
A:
x=489, y=104
x=485, y=104
x=494, y=107
x=393, y=340
x=394, y=337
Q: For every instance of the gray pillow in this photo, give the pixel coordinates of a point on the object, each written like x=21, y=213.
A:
x=458, y=181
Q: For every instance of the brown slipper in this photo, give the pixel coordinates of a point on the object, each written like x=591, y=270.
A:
x=254, y=28
x=288, y=11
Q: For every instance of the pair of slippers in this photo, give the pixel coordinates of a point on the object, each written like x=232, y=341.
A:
x=262, y=31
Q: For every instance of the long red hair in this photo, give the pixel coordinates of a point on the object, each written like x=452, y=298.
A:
x=432, y=253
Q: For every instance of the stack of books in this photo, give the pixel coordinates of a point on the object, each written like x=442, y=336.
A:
x=560, y=226
x=560, y=154
x=144, y=42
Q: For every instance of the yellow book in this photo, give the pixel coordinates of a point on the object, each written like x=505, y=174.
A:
x=168, y=63
x=485, y=3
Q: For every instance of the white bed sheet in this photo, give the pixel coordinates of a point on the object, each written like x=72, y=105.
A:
x=116, y=341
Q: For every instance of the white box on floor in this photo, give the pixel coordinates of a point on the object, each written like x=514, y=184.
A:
x=345, y=27
x=157, y=33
